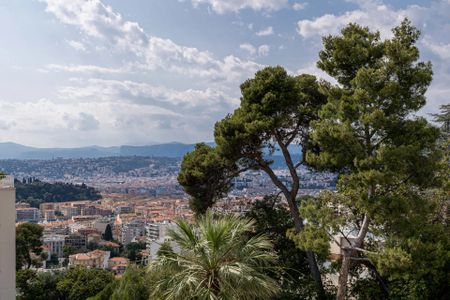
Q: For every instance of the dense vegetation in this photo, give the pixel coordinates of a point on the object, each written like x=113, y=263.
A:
x=35, y=192
x=29, y=245
x=389, y=215
x=72, y=284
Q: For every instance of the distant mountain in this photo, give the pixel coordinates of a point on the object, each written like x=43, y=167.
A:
x=16, y=151
x=163, y=150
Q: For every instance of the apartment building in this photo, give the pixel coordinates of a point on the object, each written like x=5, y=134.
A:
x=55, y=244
x=27, y=214
x=98, y=259
x=8, y=239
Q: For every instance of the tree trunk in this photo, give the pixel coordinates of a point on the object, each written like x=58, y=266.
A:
x=298, y=222
x=346, y=260
x=313, y=267
x=343, y=275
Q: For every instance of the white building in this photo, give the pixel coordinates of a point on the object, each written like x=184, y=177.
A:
x=158, y=229
x=28, y=214
x=55, y=244
x=7, y=239
x=157, y=234
x=131, y=230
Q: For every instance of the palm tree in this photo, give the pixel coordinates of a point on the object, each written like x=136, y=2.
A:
x=218, y=260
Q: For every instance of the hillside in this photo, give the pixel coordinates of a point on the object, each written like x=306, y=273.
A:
x=35, y=192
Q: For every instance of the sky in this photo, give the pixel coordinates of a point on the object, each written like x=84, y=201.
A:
x=112, y=72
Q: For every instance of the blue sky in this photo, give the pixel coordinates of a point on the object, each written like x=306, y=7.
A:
x=111, y=72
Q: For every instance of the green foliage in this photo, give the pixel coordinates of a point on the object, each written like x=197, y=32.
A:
x=321, y=220
x=205, y=176
x=69, y=250
x=165, y=250
x=132, y=286
x=217, y=261
x=275, y=108
x=292, y=270
x=108, y=236
x=81, y=283
x=275, y=113
x=32, y=285
x=385, y=155
x=132, y=250
x=443, y=117
x=28, y=241
x=38, y=192
x=107, y=292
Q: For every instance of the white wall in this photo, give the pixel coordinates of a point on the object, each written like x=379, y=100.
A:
x=7, y=240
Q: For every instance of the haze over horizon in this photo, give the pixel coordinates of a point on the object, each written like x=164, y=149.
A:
x=107, y=73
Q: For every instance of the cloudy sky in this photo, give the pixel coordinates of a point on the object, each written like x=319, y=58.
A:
x=112, y=72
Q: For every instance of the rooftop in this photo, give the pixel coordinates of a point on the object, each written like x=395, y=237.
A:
x=7, y=182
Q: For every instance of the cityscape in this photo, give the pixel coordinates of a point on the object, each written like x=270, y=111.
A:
x=217, y=149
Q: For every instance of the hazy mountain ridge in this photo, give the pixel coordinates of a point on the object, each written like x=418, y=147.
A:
x=17, y=151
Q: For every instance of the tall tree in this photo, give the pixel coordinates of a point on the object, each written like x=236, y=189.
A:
x=132, y=286
x=275, y=114
x=443, y=117
x=82, y=283
x=32, y=285
x=205, y=176
x=273, y=218
x=217, y=261
x=385, y=155
x=28, y=244
x=108, y=235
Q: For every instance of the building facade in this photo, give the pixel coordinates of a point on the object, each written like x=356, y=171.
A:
x=98, y=259
x=7, y=239
x=55, y=244
x=28, y=214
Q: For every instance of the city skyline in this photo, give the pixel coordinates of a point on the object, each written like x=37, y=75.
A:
x=114, y=72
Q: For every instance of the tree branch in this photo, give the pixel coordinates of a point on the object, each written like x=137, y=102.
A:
x=290, y=164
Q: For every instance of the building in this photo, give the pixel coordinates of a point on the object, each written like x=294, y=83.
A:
x=118, y=265
x=28, y=214
x=49, y=215
x=8, y=239
x=98, y=259
x=69, y=211
x=157, y=230
x=55, y=244
x=77, y=241
x=46, y=206
x=94, y=210
x=131, y=230
x=124, y=209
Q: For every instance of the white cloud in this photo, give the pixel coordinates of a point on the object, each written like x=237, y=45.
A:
x=100, y=22
x=81, y=121
x=432, y=20
x=372, y=13
x=249, y=48
x=310, y=68
x=299, y=5
x=223, y=6
x=7, y=125
x=265, y=32
x=263, y=50
x=85, y=69
x=438, y=48
x=79, y=46
x=168, y=101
